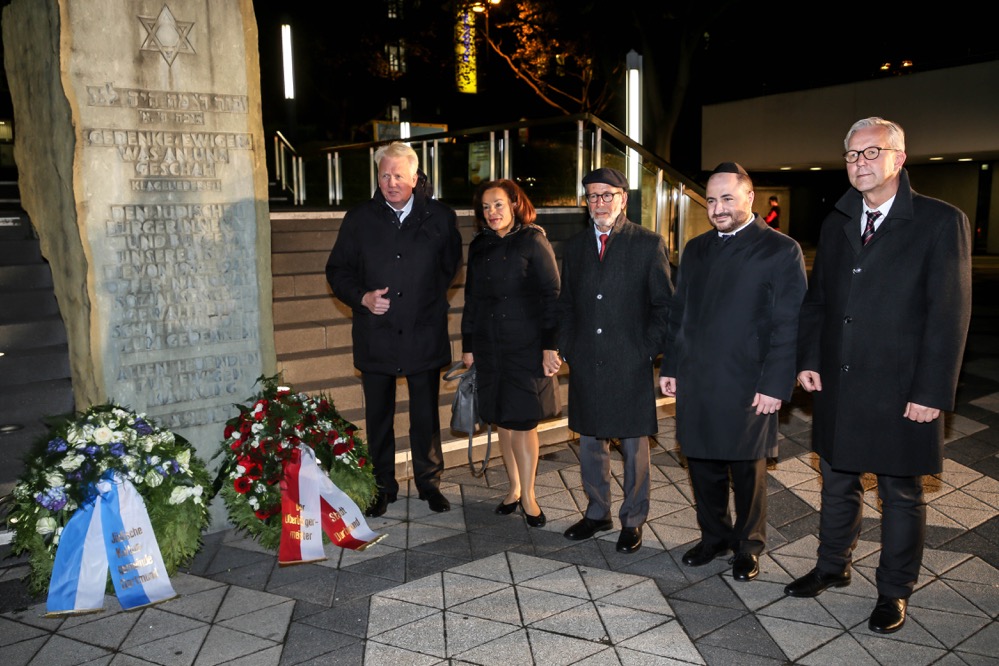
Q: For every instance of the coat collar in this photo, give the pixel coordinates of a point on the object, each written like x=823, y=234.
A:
x=851, y=205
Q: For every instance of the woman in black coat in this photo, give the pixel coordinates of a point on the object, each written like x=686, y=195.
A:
x=508, y=330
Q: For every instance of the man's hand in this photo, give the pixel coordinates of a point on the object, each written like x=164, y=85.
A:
x=551, y=362
x=668, y=386
x=468, y=358
x=810, y=380
x=920, y=414
x=376, y=302
x=765, y=404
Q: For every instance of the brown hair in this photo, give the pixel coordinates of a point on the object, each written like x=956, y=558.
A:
x=523, y=209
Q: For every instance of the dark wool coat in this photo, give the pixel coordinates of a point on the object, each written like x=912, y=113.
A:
x=417, y=262
x=612, y=319
x=885, y=325
x=733, y=333
x=511, y=287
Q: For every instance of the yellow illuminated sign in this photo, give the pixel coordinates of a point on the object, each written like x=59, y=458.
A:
x=464, y=50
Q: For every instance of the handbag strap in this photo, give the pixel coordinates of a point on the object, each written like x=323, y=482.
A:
x=452, y=372
x=478, y=471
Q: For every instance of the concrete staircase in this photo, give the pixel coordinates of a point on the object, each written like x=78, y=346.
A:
x=312, y=334
x=34, y=365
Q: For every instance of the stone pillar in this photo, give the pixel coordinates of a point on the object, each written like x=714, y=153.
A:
x=142, y=165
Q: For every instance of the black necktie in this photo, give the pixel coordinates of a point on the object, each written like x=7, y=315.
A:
x=872, y=216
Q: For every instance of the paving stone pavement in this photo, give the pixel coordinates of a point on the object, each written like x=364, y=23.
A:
x=472, y=587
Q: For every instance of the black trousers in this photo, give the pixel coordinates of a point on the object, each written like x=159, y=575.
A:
x=710, y=480
x=903, y=527
x=424, y=428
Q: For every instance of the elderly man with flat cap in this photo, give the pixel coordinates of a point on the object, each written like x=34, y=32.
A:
x=729, y=359
x=613, y=308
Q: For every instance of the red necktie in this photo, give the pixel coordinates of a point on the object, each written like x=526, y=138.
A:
x=872, y=216
x=603, y=245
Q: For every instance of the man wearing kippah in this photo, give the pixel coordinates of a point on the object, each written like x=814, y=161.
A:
x=729, y=359
x=613, y=307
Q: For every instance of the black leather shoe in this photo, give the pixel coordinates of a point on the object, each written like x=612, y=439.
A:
x=630, y=540
x=507, y=509
x=534, y=521
x=888, y=616
x=587, y=527
x=702, y=553
x=435, y=500
x=814, y=582
x=745, y=566
x=379, y=505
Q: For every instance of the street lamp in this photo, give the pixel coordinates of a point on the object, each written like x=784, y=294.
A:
x=633, y=63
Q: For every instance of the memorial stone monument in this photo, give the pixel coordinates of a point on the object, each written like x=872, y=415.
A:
x=141, y=161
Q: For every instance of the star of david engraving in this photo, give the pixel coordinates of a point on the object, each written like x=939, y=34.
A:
x=166, y=35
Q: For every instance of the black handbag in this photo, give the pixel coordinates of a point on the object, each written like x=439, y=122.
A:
x=465, y=412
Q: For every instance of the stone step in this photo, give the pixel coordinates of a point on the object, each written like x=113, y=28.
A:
x=294, y=221
x=303, y=241
x=28, y=403
x=14, y=224
x=312, y=335
x=42, y=331
x=27, y=304
x=27, y=276
x=292, y=263
x=22, y=366
x=20, y=251
x=301, y=284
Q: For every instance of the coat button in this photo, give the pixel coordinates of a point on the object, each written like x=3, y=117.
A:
x=599, y=331
x=398, y=256
x=857, y=270
x=600, y=297
x=399, y=294
x=845, y=367
x=847, y=320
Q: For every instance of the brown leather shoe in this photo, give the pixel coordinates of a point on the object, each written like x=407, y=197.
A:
x=814, y=582
x=888, y=616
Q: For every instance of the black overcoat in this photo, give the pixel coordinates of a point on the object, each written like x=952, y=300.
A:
x=612, y=319
x=511, y=286
x=883, y=325
x=732, y=334
x=417, y=262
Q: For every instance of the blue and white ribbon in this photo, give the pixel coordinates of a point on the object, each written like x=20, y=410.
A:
x=114, y=531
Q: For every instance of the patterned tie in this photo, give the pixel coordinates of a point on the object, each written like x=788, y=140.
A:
x=872, y=216
x=398, y=215
x=603, y=245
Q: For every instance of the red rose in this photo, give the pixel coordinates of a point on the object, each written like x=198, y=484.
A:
x=229, y=429
x=242, y=485
x=263, y=514
x=361, y=461
x=254, y=471
x=339, y=449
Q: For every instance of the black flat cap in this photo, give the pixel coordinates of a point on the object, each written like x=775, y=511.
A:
x=729, y=167
x=606, y=175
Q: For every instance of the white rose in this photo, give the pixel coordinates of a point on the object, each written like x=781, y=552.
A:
x=58, y=535
x=153, y=478
x=184, y=457
x=54, y=479
x=74, y=435
x=46, y=525
x=165, y=437
x=103, y=435
x=72, y=462
x=154, y=460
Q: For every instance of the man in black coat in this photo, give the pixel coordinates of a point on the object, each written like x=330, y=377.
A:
x=613, y=304
x=729, y=359
x=882, y=335
x=393, y=262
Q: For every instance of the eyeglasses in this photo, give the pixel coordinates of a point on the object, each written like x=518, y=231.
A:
x=869, y=153
x=606, y=197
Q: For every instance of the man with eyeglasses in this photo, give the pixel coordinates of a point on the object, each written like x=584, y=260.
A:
x=881, y=337
x=613, y=307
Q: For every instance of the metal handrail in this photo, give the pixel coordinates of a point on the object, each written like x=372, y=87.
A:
x=283, y=151
x=666, y=200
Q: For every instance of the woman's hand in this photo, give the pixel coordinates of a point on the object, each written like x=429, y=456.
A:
x=467, y=359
